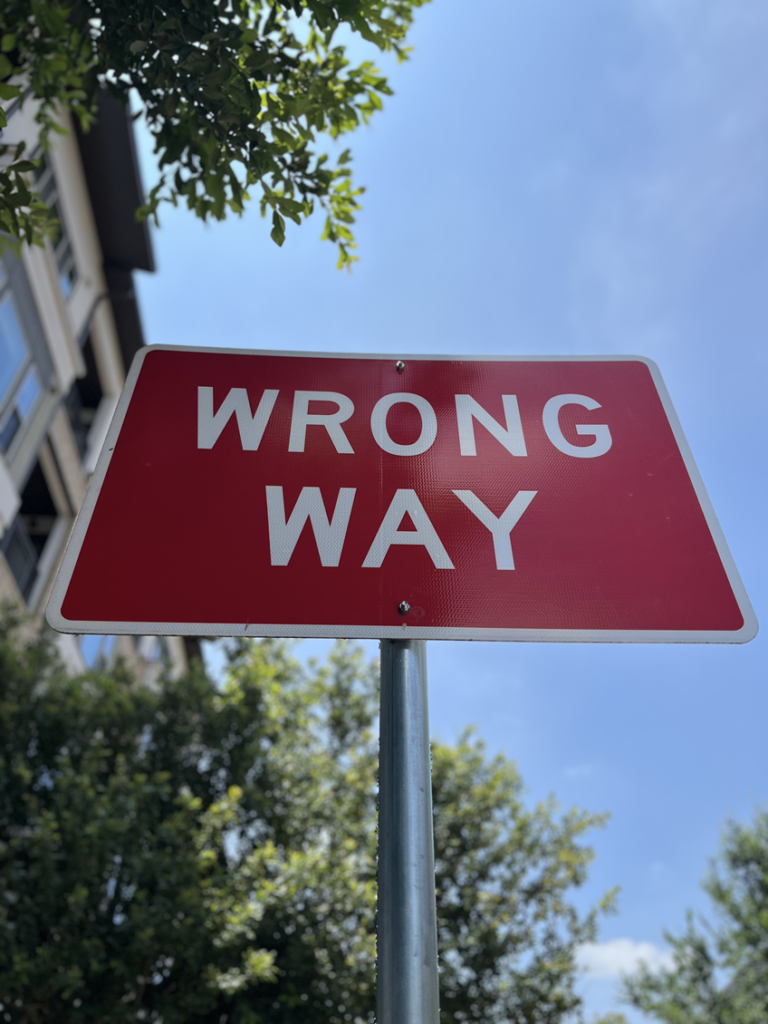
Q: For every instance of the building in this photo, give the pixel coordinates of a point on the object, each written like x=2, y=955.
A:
x=69, y=328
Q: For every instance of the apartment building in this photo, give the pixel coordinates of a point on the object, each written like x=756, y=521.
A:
x=69, y=328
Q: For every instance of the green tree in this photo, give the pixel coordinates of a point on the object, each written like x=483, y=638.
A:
x=235, y=92
x=202, y=853
x=506, y=931
x=720, y=971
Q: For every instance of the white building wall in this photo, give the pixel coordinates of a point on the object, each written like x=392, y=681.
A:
x=51, y=445
x=9, y=497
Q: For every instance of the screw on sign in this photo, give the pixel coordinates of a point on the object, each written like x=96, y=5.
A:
x=289, y=494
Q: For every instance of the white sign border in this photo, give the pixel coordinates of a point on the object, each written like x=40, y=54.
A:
x=55, y=618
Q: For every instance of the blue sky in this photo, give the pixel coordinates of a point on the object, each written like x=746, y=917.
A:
x=556, y=178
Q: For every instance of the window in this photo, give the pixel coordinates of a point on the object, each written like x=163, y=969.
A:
x=62, y=247
x=96, y=650
x=13, y=350
x=154, y=656
x=21, y=556
x=84, y=399
x=34, y=540
x=20, y=386
x=146, y=655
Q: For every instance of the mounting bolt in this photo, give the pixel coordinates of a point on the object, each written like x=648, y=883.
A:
x=399, y=365
x=403, y=607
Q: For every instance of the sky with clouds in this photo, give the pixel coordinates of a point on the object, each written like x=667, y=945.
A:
x=555, y=178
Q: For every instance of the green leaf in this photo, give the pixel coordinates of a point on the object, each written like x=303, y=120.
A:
x=277, y=233
x=284, y=137
x=194, y=74
x=284, y=756
x=290, y=205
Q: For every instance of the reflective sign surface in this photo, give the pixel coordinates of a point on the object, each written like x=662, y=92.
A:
x=274, y=494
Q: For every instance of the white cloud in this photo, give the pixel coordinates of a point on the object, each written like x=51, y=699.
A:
x=579, y=771
x=620, y=956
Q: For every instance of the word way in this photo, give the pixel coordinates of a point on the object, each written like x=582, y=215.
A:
x=330, y=533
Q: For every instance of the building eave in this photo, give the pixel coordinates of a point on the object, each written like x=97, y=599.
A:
x=111, y=168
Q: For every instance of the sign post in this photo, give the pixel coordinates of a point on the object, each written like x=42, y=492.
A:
x=318, y=495
x=407, y=985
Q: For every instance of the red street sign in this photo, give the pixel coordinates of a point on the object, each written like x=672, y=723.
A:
x=292, y=494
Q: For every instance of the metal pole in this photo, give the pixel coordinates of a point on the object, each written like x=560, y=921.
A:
x=407, y=985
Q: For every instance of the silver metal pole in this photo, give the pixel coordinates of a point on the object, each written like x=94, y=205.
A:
x=407, y=985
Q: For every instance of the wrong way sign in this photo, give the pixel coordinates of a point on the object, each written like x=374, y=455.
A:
x=293, y=494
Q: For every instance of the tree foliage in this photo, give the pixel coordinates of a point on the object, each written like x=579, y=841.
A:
x=202, y=853
x=236, y=93
x=720, y=971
